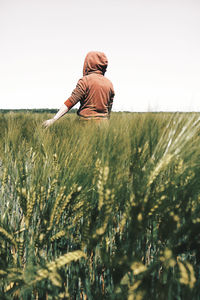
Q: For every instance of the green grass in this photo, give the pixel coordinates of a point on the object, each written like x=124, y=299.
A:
x=100, y=210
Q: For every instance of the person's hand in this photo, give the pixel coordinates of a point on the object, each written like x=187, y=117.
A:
x=48, y=123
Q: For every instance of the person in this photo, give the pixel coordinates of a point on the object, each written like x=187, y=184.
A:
x=94, y=91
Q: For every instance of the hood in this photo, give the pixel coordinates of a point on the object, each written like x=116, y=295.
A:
x=95, y=62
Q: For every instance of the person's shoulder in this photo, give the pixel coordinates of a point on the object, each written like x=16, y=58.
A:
x=108, y=81
x=82, y=80
x=106, y=78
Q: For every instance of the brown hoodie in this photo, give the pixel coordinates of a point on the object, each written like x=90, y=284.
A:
x=94, y=91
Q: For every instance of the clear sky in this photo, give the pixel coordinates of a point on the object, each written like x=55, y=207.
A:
x=153, y=49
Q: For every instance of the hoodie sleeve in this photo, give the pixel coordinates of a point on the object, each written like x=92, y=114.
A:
x=79, y=93
x=110, y=104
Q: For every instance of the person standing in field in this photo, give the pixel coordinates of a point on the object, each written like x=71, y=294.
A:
x=94, y=91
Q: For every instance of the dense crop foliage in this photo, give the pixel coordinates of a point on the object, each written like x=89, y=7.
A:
x=100, y=210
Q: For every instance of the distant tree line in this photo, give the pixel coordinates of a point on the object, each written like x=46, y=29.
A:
x=34, y=110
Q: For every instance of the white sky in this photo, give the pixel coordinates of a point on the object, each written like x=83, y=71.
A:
x=153, y=49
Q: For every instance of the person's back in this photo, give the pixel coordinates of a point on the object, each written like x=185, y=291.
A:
x=94, y=91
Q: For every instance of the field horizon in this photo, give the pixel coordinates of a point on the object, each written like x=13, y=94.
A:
x=74, y=110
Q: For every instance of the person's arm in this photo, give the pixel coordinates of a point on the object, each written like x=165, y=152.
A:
x=77, y=95
x=62, y=111
x=111, y=101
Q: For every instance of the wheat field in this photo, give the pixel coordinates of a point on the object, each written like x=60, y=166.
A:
x=97, y=211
